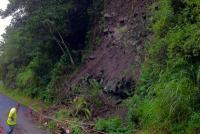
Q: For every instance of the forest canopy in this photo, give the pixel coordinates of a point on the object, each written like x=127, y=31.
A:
x=44, y=43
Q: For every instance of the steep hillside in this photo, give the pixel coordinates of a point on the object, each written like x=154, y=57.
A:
x=117, y=59
x=107, y=66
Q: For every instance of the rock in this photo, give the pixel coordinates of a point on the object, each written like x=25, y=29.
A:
x=45, y=124
x=134, y=43
x=135, y=15
x=112, y=29
x=92, y=57
x=106, y=31
x=113, y=14
x=139, y=48
x=139, y=34
x=143, y=34
x=144, y=17
x=136, y=35
x=109, y=30
x=106, y=15
x=110, y=23
x=122, y=20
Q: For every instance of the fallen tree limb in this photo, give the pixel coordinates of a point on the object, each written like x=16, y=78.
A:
x=65, y=122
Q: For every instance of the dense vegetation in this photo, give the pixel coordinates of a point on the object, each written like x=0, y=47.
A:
x=48, y=39
x=45, y=43
x=167, y=98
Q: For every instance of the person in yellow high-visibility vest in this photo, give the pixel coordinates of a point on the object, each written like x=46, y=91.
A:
x=12, y=119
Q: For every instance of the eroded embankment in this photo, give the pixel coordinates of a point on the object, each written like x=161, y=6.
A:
x=117, y=60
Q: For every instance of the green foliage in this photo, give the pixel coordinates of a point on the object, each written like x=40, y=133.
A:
x=52, y=125
x=166, y=99
x=194, y=124
x=60, y=72
x=76, y=130
x=80, y=107
x=65, y=115
x=25, y=77
x=169, y=103
x=95, y=91
x=23, y=99
x=112, y=126
x=95, y=27
x=62, y=114
x=26, y=81
x=91, y=90
x=161, y=17
x=36, y=46
x=198, y=76
x=34, y=77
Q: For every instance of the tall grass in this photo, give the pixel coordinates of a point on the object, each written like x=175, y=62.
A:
x=18, y=96
x=167, y=97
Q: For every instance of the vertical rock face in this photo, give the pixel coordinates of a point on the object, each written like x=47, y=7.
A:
x=119, y=56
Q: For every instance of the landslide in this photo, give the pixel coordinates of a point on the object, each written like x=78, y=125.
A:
x=116, y=60
x=118, y=51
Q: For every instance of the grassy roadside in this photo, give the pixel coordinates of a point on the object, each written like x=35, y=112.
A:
x=19, y=97
x=60, y=116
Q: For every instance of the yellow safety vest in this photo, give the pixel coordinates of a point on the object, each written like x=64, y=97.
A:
x=12, y=115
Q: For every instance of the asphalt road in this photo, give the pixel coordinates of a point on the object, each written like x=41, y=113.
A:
x=24, y=124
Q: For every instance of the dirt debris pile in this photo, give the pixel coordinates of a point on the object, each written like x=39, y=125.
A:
x=121, y=52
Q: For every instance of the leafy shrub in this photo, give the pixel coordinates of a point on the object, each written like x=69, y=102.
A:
x=112, y=126
x=52, y=125
x=92, y=91
x=171, y=103
x=167, y=97
x=161, y=17
x=25, y=78
x=80, y=107
x=76, y=130
x=95, y=91
x=59, y=73
x=62, y=114
x=76, y=127
x=194, y=124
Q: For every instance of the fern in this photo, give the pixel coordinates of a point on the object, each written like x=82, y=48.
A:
x=79, y=106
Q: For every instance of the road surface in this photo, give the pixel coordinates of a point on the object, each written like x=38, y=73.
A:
x=25, y=125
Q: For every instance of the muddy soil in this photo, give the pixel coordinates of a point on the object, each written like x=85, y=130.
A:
x=123, y=37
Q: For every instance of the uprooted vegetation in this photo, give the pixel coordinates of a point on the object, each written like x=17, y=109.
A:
x=89, y=111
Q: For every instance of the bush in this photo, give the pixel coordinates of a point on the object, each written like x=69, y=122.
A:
x=77, y=130
x=167, y=97
x=95, y=91
x=25, y=78
x=161, y=18
x=59, y=73
x=113, y=126
x=169, y=103
x=194, y=124
x=62, y=114
x=80, y=107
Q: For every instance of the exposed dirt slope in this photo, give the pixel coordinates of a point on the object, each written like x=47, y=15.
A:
x=122, y=48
